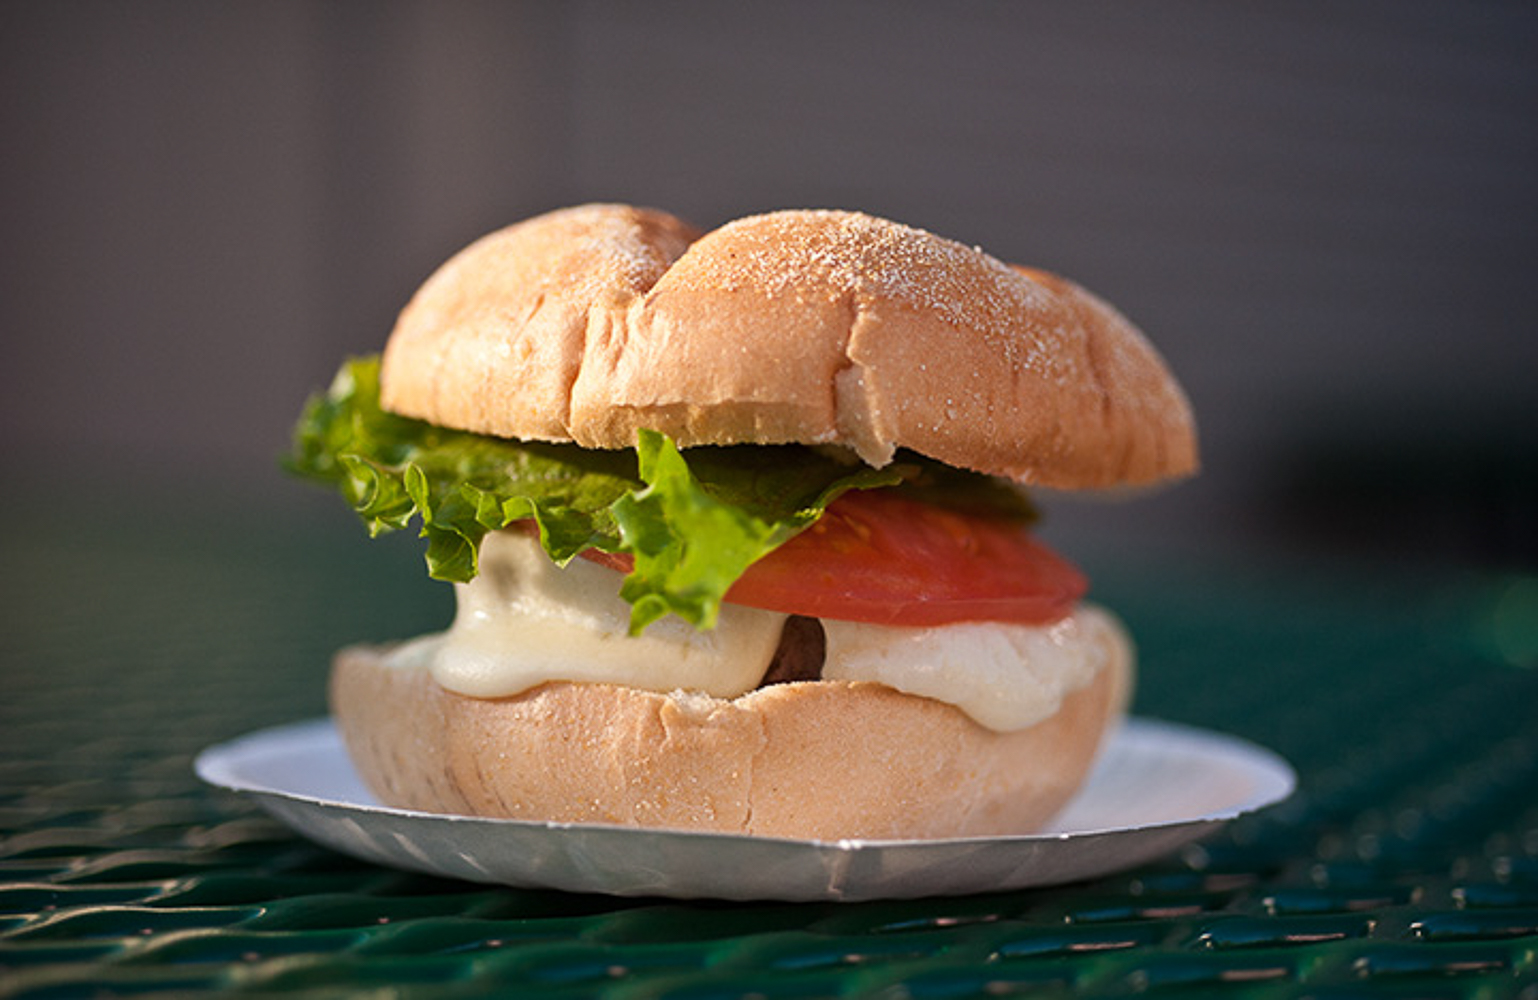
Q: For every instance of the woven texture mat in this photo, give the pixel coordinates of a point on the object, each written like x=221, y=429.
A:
x=1407, y=866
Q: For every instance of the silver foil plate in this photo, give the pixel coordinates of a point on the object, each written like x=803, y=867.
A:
x=1156, y=787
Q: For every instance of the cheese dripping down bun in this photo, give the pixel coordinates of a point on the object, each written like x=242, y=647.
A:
x=813, y=327
x=536, y=705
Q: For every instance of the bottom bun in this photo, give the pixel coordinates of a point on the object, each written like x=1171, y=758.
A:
x=824, y=760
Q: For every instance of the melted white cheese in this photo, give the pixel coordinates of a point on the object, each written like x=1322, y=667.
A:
x=523, y=621
x=1006, y=676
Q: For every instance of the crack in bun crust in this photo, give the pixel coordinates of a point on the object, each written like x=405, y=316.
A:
x=816, y=327
x=812, y=760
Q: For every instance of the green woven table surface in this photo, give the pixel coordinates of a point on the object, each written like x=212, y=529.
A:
x=1406, y=866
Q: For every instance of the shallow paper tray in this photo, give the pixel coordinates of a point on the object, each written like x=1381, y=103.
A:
x=1156, y=787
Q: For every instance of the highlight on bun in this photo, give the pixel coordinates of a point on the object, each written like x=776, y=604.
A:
x=811, y=327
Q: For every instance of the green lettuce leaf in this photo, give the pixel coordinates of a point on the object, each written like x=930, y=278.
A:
x=693, y=521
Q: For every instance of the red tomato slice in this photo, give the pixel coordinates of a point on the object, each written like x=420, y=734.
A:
x=875, y=556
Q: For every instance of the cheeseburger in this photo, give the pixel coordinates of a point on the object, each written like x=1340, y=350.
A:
x=738, y=528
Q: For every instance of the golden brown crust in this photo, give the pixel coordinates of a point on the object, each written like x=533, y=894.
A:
x=588, y=324
x=819, y=760
x=493, y=340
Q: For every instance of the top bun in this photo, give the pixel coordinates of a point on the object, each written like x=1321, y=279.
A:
x=815, y=327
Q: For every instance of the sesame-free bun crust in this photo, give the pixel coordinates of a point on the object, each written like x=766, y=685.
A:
x=813, y=327
x=813, y=760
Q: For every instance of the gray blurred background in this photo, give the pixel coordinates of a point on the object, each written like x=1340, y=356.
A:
x=1325, y=214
